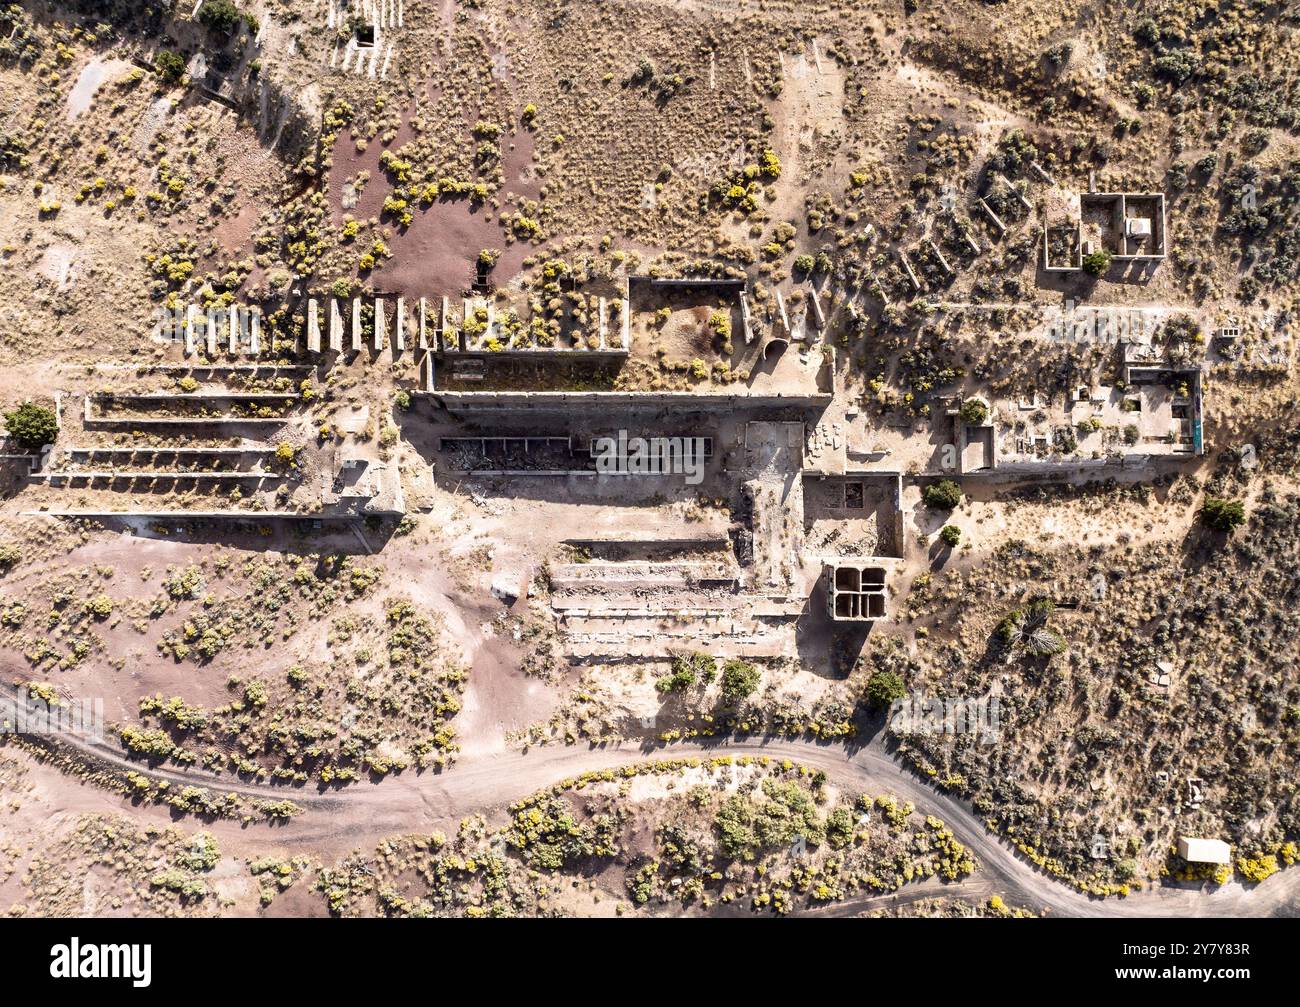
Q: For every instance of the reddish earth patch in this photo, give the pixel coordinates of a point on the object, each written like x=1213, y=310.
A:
x=518, y=167
x=233, y=233
x=436, y=255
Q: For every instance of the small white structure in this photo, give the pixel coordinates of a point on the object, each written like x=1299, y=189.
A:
x=1204, y=851
x=1139, y=227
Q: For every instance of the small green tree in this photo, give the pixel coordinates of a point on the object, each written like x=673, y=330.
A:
x=942, y=495
x=170, y=65
x=1096, y=263
x=1223, y=515
x=739, y=679
x=32, y=426
x=950, y=535
x=883, y=688
x=973, y=412
x=219, y=16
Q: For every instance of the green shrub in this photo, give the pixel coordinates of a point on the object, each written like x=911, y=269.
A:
x=950, y=535
x=32, y=426
x=1096, y=263
x=942, y=495
x=1223, y=515
x=739, y=679
x=720, y=323
x=746, y=828
x=220, y=16
x=973, y=412
x=883, y=688
x=170, y=65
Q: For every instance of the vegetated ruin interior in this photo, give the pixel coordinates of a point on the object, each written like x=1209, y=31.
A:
x=532, y=457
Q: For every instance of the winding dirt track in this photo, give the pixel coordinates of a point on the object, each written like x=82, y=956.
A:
x=363, y=814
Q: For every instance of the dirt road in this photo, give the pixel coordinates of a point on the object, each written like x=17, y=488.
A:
x=358, y=816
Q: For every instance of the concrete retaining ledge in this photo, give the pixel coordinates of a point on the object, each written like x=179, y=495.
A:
x=114, y=449
x=572, y=609
x=100, y=422
x=615, y=653
x=649, y=537
x=193, y=515
x=217, y=397
x=222, y=368
x=133, y=474
x=1027, y=471
x=570, y=400
x=91, y=421
x=521, y=473
x=550, y=352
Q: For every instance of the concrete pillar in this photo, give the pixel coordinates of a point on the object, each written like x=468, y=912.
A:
x=602, y=321
x=232, y=328
x=1015, y=192
x=356, y=325
x=381, y=325
x=313, y=327
x=255, y=331
x=997, y=221
x=939, y=255
x=907, y=266
x=1041, y=173
x=424, y=331
x=190, y=319
x=399, y=329
x=627, y=323
x=336, y=326
x=211, y=332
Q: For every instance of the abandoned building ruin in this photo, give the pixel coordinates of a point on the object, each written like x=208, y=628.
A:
x=1129, y=226
x=855, y=592
x=1154, y=413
